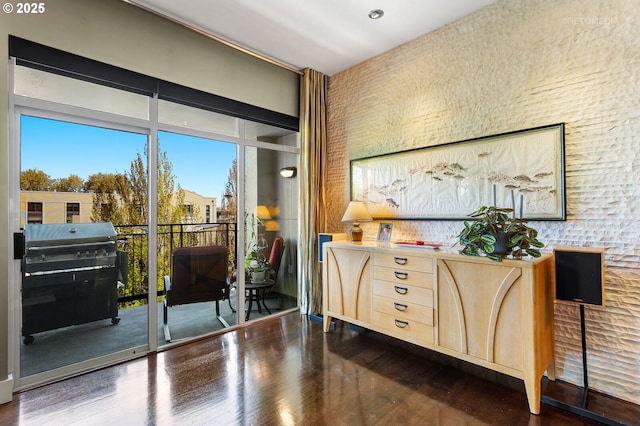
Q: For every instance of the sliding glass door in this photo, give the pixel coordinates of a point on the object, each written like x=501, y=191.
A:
x=80, y=171
x=85, y=244
x=137, y=221
x=195, y=293
x=271, y=221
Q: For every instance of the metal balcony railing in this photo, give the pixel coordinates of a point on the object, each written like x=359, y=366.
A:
x=134, y=241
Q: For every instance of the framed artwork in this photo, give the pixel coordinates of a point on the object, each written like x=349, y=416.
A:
x=384, y=232
x=523, y=170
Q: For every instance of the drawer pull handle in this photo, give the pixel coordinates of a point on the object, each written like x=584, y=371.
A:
x=401, y=275
x=401, y=324
x=400, y=307
x=400, y=290
x=400, y=260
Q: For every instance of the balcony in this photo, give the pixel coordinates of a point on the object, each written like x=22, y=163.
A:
x=75, y=344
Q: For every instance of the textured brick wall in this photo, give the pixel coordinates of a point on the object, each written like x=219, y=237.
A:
x=511, y=66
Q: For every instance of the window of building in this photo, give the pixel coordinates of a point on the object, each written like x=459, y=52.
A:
x=73, y=209
x=207, y=214
x=34, y=212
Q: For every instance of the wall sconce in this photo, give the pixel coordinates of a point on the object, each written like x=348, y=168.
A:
x=288, y=172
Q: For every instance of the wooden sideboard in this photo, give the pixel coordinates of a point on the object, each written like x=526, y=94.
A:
x=498, y=315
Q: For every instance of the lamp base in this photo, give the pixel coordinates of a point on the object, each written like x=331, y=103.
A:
x=356, y=232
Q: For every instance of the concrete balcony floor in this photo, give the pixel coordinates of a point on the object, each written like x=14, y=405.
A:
x=70, y=345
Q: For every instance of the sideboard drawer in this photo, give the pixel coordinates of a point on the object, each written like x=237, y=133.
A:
x=404, y=293
x=397, y=275
x=404, y=261
x=403, y=310
x=404, y=329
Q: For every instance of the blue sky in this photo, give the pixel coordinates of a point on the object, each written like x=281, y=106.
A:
x=60, y=149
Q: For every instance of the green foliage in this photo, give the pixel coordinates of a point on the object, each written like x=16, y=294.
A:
x=255, y=260
x=229, y=209
x=73, y=183
x=35, y=180
x=479, y=236
x=137, y=204
x=108, y=189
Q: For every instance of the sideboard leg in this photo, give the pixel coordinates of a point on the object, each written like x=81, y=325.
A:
x=551, y=370
x=532, y=387
x=326, y=324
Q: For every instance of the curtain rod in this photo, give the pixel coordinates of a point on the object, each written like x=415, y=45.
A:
x=215, y=37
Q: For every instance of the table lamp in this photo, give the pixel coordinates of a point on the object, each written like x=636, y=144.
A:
x=356, y=211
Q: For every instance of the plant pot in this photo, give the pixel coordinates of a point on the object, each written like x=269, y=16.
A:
x=500, y=247
x=258, y=276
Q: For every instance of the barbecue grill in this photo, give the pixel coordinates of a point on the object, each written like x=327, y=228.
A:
x=70, y=276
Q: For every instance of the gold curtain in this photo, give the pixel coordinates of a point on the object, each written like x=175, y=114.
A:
x=313, y=137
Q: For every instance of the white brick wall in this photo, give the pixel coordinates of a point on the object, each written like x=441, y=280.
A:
x=516, y=65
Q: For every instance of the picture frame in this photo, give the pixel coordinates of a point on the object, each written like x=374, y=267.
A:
x=384, y=232
x=523, y=170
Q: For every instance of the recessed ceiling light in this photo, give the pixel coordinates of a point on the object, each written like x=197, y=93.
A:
x=376, y=14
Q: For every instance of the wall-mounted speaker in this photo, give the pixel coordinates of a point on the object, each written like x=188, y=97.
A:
x=579, y=275
x=326, y=238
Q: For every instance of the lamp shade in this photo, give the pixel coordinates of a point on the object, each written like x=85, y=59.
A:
x=356, y=211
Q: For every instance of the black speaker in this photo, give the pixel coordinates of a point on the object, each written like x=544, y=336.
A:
x=579, y=274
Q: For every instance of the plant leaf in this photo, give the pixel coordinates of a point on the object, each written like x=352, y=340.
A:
x=534, y=252
x=488, y=239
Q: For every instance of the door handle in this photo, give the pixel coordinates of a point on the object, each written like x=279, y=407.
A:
x=18, y=245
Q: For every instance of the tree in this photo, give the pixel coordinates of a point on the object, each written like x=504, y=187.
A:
x=168, y=212
x=229, y=205
x=35, y=180
x=137, y=201
x=229, y=198
x=109, y=190
x=73, y=183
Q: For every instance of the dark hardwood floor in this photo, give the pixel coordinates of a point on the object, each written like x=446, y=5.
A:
x=286, y=371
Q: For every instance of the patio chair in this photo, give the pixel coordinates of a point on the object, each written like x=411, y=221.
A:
x=275, y=258
x=198, y=274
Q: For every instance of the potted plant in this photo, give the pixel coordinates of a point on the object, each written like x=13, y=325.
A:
x=256, y=264
x=497, y=234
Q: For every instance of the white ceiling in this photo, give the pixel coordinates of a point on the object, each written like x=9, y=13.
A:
x=326, y=35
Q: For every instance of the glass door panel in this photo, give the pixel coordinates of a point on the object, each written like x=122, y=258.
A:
x=271, y=231
x=83, y=291
x=196, y=236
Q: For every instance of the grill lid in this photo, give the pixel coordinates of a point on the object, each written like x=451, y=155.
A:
x=63, y=234
x=68, y=247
